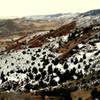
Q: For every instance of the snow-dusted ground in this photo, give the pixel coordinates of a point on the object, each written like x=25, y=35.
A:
x=36, y=65
x=41, y=67
x=18, y=65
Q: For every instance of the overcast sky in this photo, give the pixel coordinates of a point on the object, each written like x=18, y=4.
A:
x=21, y=8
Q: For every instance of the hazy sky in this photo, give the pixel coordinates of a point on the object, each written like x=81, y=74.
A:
x=40, y=7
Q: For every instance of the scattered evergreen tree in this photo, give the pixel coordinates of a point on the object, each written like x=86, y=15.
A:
x=37, y=55
x=57, y=72
x=43, y=74
x=6, y=61
x=53, y=83
x=7, y=73
x=27, y=62
x=40, y=70
x=29, y=69
x=12, y=71
x=90, y=60
x=39, y=50
x=72, y=72
x=65, y=66
x=8, y=87
x=76, y=61
x=12, y=64
x=34, y=70
x=64, y=76
x=33, y=58
x=84, y=62
x=3, y=77
x=19, y=71
x=28, y=86
x=56, y=61
x=96, y=53
x=79, y=66
x=42, y=84
x=30, y=75
x=23, y=52
x=32, y=63
x=37, y=77
x=50, y=70
x=79, y=75
x=44, y=53
x=81, y=60
x=45, y=62
x=86, y=68
x=84, y=56
x=71, y=60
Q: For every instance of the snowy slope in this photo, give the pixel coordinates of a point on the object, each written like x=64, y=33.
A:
x=36, y=66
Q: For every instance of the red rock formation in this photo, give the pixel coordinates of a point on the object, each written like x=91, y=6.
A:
x=38, y=41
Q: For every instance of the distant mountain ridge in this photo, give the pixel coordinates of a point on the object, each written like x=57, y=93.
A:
x=50, y=17
x=94, y=12
x=47, y=22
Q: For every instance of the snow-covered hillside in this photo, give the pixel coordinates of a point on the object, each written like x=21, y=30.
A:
x=42, y=66
x=36, y=68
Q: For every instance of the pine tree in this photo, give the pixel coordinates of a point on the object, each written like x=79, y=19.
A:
x=65, y=66
x=50, y=70
x=84, y=56
x=34, y=70
x=76, y=61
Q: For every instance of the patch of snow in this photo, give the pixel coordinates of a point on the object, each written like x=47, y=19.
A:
x=98, y=45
